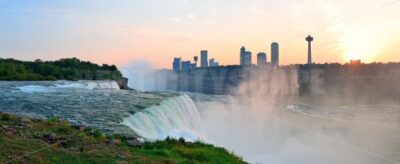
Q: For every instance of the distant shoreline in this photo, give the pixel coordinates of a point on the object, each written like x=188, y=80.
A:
x=71, y=69
x=122, y=85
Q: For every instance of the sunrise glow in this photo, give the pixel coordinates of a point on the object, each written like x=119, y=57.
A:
x=156, y=32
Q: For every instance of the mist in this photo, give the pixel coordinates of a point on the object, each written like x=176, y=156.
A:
x=142, y=76
x=266, y=120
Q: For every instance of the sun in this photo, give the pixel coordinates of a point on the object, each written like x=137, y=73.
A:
x=359, y=46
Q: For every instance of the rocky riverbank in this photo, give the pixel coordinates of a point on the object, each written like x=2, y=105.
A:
x=26, y=140
x=123, y=83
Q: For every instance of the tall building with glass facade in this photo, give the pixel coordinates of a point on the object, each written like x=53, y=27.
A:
x=275, y=54
x=176, y=65
x=261, y=59
x=204, y=58
x=245, y=57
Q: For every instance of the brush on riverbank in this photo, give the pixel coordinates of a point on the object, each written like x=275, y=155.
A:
x=56, y=141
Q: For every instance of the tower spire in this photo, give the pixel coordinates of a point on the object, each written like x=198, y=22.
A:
x=309, y=39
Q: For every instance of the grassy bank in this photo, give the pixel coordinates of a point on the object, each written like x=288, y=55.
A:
x=24, y=140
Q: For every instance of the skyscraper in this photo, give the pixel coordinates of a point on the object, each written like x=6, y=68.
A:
x=186, y=65
x=261, y=59
x=245, y=57
x=193, y=66
x=275, y=54
x=242, y=53
x=204, y=58
x=176, y=65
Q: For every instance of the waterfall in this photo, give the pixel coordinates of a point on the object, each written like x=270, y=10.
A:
x=101, y=84
x=175, y=117
x=46, y=87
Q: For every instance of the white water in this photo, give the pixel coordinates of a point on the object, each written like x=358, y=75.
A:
x=175, y=117
x=35, y=89
x=255, y=125
x=101, y=84
x=262, y=134
x=105, y=84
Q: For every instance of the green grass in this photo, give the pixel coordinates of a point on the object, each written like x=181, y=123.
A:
x=56, y=141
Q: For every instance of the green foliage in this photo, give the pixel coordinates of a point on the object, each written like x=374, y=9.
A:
x=7, y=117
x=63, y=69
x=98, y=134
x=52, y=119
x=181, y=140
x=56, y=141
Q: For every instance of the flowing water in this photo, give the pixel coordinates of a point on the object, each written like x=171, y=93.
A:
x=297, y=133
x=261, y=131
x=99, y=104
x=175, y=117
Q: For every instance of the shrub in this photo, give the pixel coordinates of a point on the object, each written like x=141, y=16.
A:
x=52, y=119
x=182, y=140
x=63, y=130
x=7, y=117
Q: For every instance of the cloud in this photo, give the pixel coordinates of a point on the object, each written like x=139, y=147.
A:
x=307, y=20
x=253, y=9
x=192, y=16
x=175, y=19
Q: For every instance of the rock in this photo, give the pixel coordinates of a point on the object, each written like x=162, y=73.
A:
x=74, y=139
x=91, y=147
x=134, y=142
x=51, y=138
x=123, y=84
x=121, y=162
x=62, y=143
x=36, y=120
x=26, y=120
x=129, y=136
x=115, y=142
x=10, y=130
x=78, y=127
x=121, y=155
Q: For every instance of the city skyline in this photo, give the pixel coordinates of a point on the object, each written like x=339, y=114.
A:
x=157, y=31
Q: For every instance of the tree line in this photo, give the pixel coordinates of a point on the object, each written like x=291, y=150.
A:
x=63, y=69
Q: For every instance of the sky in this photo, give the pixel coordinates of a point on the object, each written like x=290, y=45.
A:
x=123, y=31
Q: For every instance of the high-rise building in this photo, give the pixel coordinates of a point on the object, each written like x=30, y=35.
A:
x=245, y=57
x=186, y=65
x=204, y=58
x=176, y=65
x=213, y=63
x=193, y=66
x=242, y=53
x=275, y=54
x=261, y=59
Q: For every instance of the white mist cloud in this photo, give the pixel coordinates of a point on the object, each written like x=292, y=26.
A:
x=175, y=19
x=258, y=123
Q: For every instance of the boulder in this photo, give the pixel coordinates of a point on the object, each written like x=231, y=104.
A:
x=116, y=142
x=123, y=84
x=134, y=142
x=26, y=120
x=78, y=127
